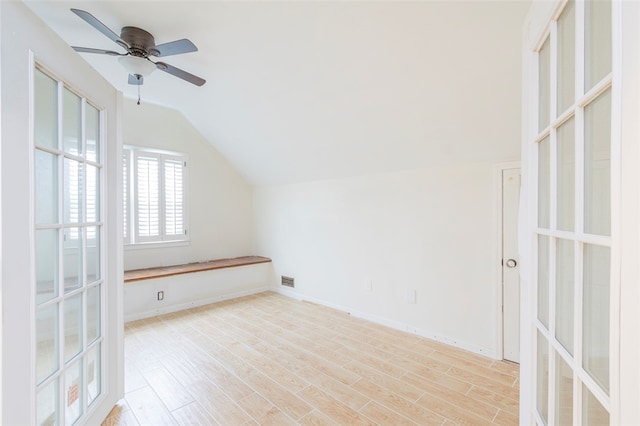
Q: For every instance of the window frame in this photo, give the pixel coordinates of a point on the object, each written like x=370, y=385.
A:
x=131, y=234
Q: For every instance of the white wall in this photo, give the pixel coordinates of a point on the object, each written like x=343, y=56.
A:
x=401, y=191
x=432, y=230
x=220, y=224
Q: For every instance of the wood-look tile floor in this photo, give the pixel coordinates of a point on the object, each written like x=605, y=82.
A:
x=270, y=360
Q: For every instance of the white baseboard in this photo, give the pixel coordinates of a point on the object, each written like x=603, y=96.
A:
x=480, y=350
x=397, y=325
x=192, y=304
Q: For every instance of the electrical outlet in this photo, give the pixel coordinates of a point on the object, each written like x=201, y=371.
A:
x=161, y=295
x=369, y=285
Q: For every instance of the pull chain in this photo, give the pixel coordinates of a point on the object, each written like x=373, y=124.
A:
x=138, y=83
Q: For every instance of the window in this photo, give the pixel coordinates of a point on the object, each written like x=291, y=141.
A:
x=154, y=201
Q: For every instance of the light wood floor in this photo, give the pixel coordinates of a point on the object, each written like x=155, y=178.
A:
x=267, y=359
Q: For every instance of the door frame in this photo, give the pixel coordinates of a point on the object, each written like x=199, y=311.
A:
x=498, y=170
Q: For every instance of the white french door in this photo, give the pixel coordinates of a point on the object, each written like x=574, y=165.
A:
x=571, y=140
x=69, y=261
x=62, y=330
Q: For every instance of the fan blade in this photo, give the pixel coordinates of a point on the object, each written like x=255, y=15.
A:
x=93, y=21
x=193, y=79
x=100, y=51
x=136, y=80
x=176, y=47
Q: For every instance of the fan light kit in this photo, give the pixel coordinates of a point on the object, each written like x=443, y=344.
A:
x=140, y=45
x=137, y=65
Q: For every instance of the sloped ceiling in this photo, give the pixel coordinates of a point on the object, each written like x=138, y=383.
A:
x=301, y=91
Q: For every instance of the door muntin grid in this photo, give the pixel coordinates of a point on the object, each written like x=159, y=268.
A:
x=68, y=246
x=573, y=155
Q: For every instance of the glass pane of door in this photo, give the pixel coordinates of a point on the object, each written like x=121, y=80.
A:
x=46, y=187
x=93, y=185
x=564, y=293
x=595, y=328
x=544, y=183
x=92, y=131
x=566, y=57
x=73, y=190
x=72, y=259
x=72, y=326
x=47, y=403
x=73, y=392
x=46, y=111
x=94, y=370
x=542, y=381
x=46, y=264
x=597, y=167
x=565, y=173
x=46, y=342
x=72, y=123
x=564, y=390
x=93, y=314
x=93, y=254
x=544, y=84
x=593, y=413
x=597, y=41
x=543, y=280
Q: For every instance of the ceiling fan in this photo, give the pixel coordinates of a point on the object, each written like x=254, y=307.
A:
x=140, y=46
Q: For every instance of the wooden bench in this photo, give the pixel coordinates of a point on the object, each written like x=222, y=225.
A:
x=167, y=271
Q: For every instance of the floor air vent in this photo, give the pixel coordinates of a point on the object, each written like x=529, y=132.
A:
x=287, y=281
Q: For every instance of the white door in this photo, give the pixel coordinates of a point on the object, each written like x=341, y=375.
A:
x=510, y=265
x=571, y=140
x=61, y=277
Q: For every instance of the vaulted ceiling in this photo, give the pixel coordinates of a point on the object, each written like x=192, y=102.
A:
x=300, y=91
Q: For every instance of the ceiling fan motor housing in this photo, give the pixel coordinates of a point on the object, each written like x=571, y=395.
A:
x=141, y=43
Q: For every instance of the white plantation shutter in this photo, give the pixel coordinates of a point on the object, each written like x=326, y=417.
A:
x=147, y=197
x=158, y=209
x=173, y=198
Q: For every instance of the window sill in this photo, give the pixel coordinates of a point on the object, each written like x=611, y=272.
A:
x=156, y=245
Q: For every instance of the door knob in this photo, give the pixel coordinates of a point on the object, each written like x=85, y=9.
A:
x=511, y=263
